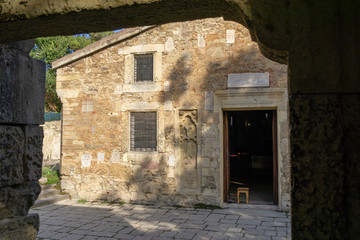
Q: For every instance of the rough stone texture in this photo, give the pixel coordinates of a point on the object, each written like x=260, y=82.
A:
x=98, y=94
x=22, y=93
x=52, y=141
x=20, y=227
x=24, y=46
x=12, y=148
x=320, y=179
x=20, y=166
x=33, y=152
x=351, y=125
x=22, y=85
x=16, y=200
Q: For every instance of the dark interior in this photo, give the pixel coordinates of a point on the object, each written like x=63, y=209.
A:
x=251, y=155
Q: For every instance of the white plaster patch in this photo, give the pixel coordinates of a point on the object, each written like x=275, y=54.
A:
x=230, y=36
x=201, y=40
x=171, y=173
x=125, y=159
x=86, y=160
x=172, y=160
x=166, y=86
x=100, y=156
x=209, y=101
x=118, y=89
x=87, y=106
x=236, y=80
x=169, y=44
x=168, y=105
x=115, y=156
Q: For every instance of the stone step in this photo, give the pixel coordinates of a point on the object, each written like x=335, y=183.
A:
x=48, y=193
x=251, y=206
x=47, y=186
x=50, y=200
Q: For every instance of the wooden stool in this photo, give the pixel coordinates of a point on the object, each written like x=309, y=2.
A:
x=243, y=190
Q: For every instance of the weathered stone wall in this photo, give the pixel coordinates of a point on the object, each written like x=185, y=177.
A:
x=191, y=62
x=52, y=140
x=22, y=93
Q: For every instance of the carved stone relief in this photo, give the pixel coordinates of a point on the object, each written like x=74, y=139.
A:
x=188, y=148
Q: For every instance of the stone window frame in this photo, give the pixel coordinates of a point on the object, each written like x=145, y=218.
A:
x=157, y=130
x=130, y=85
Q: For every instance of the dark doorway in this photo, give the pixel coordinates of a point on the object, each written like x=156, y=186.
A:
x=250, y=155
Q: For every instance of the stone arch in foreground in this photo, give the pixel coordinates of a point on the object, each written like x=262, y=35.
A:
x=318, y=41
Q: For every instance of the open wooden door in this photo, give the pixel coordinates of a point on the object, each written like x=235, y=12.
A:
x=226, y=156
x=275, y=162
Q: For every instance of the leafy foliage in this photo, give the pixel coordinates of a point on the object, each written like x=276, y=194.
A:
x=82, y=201
x=49, y=49
x=51, y=174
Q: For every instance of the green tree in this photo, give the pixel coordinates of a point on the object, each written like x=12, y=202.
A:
x=49, y=49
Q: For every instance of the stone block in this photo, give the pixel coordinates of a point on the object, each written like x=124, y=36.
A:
x=12, y=142
x=16, y=200
x=24, y=46
x=120, y=171
x=22, y=87
x=33, y=153
x=20, y=227
x=150, y=165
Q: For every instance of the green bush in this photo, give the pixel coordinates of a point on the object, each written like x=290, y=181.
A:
x=51, y=174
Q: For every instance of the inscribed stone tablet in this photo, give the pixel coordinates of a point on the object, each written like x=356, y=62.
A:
x=87, y=106
x=172, y=160
x=201, y=40
x=100, y=156
x=230, y=36
x=86, y=160
x=237, y=80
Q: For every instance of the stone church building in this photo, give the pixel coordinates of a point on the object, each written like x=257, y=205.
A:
x=180, y=113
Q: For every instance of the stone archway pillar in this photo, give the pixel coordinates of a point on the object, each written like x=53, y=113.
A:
x=324, y=137
x=22, y=91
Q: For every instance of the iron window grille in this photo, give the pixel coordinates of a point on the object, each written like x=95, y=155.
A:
x=143, y=68
x=143, y=135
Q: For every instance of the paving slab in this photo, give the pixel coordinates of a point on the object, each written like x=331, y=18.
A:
x=95, y=221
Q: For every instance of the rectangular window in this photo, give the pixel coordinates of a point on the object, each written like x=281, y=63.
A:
x=143, y=131
x=143, y=67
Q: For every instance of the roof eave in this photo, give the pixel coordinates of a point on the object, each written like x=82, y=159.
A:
x=92, y=48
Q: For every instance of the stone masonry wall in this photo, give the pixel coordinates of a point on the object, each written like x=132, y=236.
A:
x=191, y=62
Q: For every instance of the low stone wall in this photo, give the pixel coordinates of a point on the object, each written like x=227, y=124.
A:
x=52, y=141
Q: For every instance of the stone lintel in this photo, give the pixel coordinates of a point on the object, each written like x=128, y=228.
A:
x=22, y=87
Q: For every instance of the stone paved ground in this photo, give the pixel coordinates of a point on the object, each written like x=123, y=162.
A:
x=72, y=220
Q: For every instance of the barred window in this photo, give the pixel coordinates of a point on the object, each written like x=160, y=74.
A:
x=143, y=131
x=143, y=67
